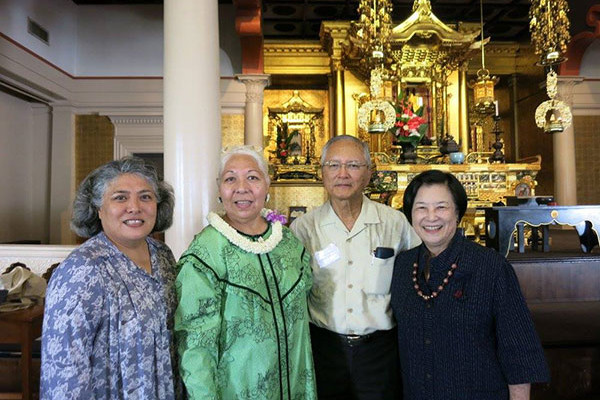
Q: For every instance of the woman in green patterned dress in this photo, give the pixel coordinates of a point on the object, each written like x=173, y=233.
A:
x=242, y=320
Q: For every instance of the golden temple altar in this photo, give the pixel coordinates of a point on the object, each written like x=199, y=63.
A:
x=319, y=87
x=486, y=183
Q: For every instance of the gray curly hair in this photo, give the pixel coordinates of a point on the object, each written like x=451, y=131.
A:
x=88, y=200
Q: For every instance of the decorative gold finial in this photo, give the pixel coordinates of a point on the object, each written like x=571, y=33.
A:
x=424, y=6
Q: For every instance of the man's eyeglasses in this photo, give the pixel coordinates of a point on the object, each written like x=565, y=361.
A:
x=334, y=166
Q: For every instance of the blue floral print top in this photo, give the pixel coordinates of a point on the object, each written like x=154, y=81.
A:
x=107, y=325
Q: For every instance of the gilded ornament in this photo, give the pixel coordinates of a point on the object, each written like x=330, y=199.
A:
x=549, y=26
x=553, y=116
x=365, y=119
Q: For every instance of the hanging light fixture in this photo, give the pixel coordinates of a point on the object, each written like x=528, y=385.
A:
x=553, y=116
x=376, y=115
x=369, y=36
x=550, y=36
x=483, y=87
x=372, y=33
x=549, y=26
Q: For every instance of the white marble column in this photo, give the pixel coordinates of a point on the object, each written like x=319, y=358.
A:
x=565, y=177
x=192, y=116
x=253, y=114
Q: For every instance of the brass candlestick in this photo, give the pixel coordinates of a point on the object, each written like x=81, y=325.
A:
x=498, y=156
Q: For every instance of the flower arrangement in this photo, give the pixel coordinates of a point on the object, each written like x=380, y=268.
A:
x=284, y=142
x=410, y=125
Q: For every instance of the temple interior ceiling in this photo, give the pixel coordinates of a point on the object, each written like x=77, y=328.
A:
x=505, y=20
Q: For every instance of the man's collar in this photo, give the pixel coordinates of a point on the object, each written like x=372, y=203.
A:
x=368, y=214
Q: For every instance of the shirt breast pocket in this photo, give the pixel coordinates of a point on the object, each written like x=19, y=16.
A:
x=377, y=277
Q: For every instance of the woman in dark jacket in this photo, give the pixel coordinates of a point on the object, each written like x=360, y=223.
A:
x=464, y=330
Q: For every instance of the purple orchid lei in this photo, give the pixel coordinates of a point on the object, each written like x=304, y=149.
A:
x=273, y=215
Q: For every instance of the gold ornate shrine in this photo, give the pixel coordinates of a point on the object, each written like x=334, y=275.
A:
x=295, y=133
x=422, y=56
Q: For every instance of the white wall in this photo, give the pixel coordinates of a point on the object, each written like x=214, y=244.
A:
x=229, y=41
x=120, y=40
x=128, y=41
x=59, y=17
x=36, y=142
x=106, y=40
x=24, y=159
x=590, y=62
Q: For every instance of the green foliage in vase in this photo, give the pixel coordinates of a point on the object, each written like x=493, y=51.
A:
x=285, y=146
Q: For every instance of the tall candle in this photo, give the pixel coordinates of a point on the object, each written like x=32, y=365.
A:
x=496, y=107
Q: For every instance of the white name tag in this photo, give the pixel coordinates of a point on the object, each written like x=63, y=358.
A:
x=328, y=256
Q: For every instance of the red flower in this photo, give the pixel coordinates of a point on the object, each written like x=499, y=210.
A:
x=410, y=124
x=415, y=122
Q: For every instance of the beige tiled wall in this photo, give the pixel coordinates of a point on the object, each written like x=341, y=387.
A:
x=94, y=136
x=587, y=158
x=232, y=129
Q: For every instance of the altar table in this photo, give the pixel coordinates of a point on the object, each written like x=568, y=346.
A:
x=501, y=222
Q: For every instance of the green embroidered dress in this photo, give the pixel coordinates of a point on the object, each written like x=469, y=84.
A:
x=242, y=321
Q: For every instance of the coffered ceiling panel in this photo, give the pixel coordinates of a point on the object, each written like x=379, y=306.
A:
x=505, y=20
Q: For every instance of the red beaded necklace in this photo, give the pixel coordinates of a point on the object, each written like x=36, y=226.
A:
x=435, y=293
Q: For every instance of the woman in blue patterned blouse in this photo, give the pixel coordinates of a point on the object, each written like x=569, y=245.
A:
x=110, y=304
x=464, y=330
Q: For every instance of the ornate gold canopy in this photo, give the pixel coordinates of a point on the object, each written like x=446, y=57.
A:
x=423, y=44
x=415, y=50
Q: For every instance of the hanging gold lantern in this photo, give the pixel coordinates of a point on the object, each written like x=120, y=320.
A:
x=483, y=87
x=483, y=92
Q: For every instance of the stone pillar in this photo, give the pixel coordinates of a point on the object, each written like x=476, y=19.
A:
x=565, y=177
x=253, y=115
x=192, y=114
x=62, y=175
x=463, y=112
